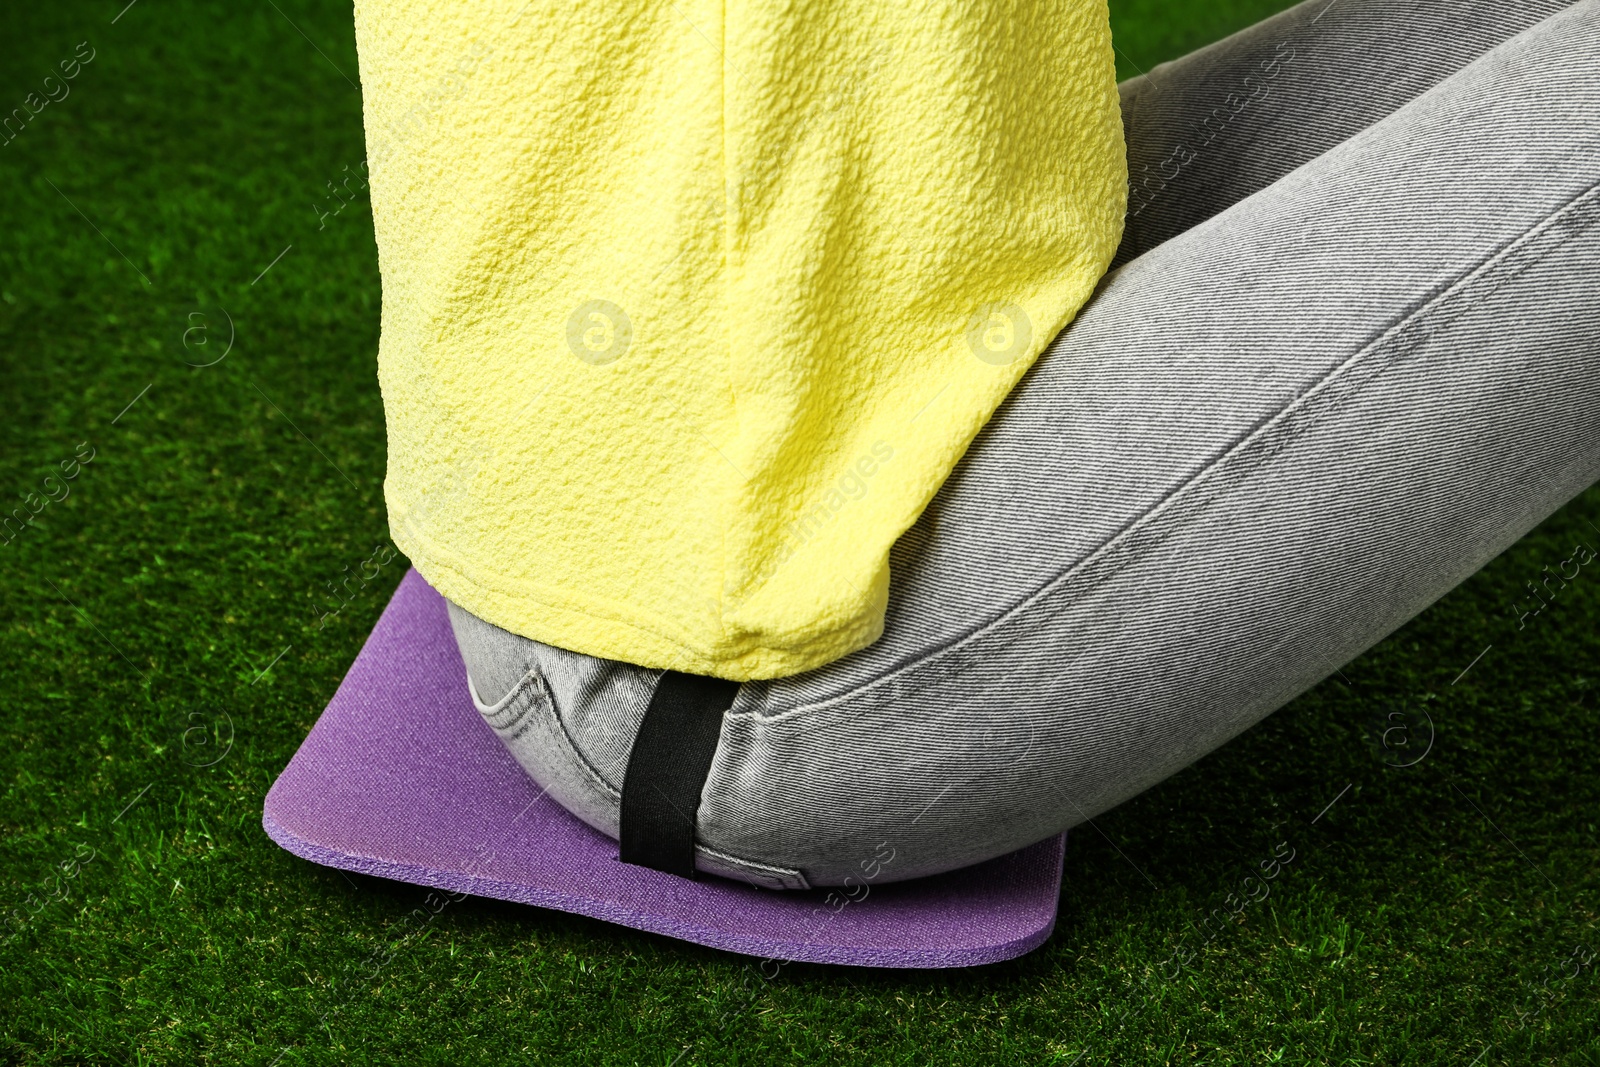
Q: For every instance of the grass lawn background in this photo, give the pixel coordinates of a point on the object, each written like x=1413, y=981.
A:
x=1433, y=914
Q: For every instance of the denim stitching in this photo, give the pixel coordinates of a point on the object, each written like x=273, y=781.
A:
x=1263, y=442
x=790, y=874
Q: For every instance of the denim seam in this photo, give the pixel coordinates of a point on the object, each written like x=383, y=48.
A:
x=577, y=754
x=533, y=682
x=1275, y=432
x=792, y=875
x=498, y=710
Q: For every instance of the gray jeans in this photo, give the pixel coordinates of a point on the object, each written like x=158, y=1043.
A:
x=1350, y=352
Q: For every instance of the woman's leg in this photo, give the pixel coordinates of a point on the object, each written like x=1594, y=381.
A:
x=1228, y=120
x=1268, y=442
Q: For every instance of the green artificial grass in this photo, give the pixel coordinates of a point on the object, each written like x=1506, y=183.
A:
x=163, y=651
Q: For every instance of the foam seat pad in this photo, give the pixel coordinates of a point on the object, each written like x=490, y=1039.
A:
x=401, y=778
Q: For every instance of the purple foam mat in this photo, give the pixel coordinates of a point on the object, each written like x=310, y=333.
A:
x=402, y=779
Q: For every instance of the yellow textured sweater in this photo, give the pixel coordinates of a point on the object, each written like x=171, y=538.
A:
x=690, y=306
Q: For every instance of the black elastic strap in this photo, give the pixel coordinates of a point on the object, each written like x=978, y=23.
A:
x=667, y=769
